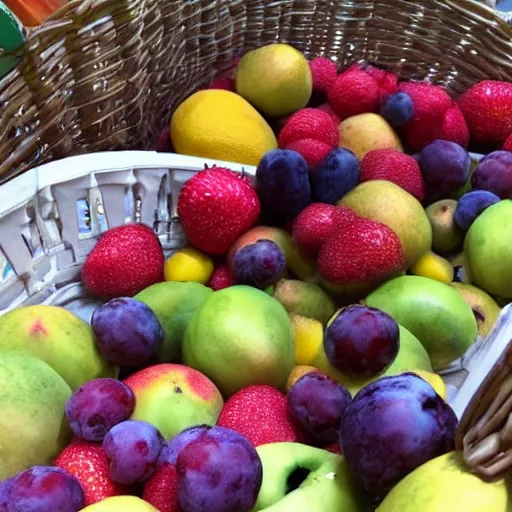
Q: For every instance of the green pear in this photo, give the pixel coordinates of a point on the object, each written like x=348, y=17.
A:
x=304, y=299
x=433, y=311
x=484, y=307
x=488, y=249
x=57, y=337
x=445, y=484
x=386, y=202
x=173, y=303
x=33, y=425
x=446, y=234
x=238, y=337
x=411, y=356
x=300, y=478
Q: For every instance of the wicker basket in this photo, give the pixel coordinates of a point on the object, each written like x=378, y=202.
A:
x=106, y=74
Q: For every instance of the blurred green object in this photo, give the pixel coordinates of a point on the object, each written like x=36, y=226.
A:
x=11, y=40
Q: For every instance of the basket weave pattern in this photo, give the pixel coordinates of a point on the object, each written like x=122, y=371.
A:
x=106, y=74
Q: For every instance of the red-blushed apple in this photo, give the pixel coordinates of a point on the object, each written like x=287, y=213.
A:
x=173, y=397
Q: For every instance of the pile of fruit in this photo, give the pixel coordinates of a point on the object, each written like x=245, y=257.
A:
x=285, y=360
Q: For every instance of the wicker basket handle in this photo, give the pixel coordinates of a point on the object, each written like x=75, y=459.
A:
x=485, y=430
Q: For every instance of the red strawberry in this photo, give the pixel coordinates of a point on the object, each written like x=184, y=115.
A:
x=317, y=223
x=323, y=73
x=361, y=256
x=309, y=123
x=221, y=278
x=487, y=107
x=88, y=463
x=261, y=413
x=393, y=165
x=164, y=144
x=354, y=92
x=387, y=81
x=313, y=151
x=325, y=107
x=222, y=82
x=334, y=448
x=436, y=116
x=215, y=207
x=161, y=490
x=508, y=143
x=124, y=261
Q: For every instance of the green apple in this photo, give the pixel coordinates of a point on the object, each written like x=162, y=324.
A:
x=433, y=311
x=488, y=249
x=241, y=336
x=173, y=303
x=298, y=478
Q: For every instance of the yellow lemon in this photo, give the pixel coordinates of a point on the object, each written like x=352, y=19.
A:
x=298, y=372
x=221, y=125
x=434, y=380
x=434, y=267
x=309, y=337
x=121, y=504
x=275, y=78
x=188, y=265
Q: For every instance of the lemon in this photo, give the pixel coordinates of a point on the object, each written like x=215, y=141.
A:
x=188, y=265
x=434, y=380
x=309, y=337
x=275, y=78
x=221, y=125
x=121, y=504
x=298, y=372
x=434, y=267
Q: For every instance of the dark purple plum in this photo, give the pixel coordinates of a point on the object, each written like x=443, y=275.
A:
x=494, y=173
x=318, y=403
x=220, y=471
x=397, y=109
x=177, y=443
x=5, y=493
x=43, y=488
x=97, y=406
x=361, y=340
x=134, y=449
x=391, y=427
x=260, y=264
x=127, y=332
x=282, y=184
x=337, y=174
x=445, y=169
x=471, y=205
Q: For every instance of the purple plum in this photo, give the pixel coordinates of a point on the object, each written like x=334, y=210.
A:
x=5, y=493
x=445, y=168
x=337, y=174
x=494, y=173
x=43, y=488
x=127, y=331
x=134, y=449
x=220, y=471
x=361, y=340
x=260, y=264
x=185, y=437
x=97, y=406
x=397, y=109
x=471, y=205
x=282, y=184
x=318, y=403
x=391, y=427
